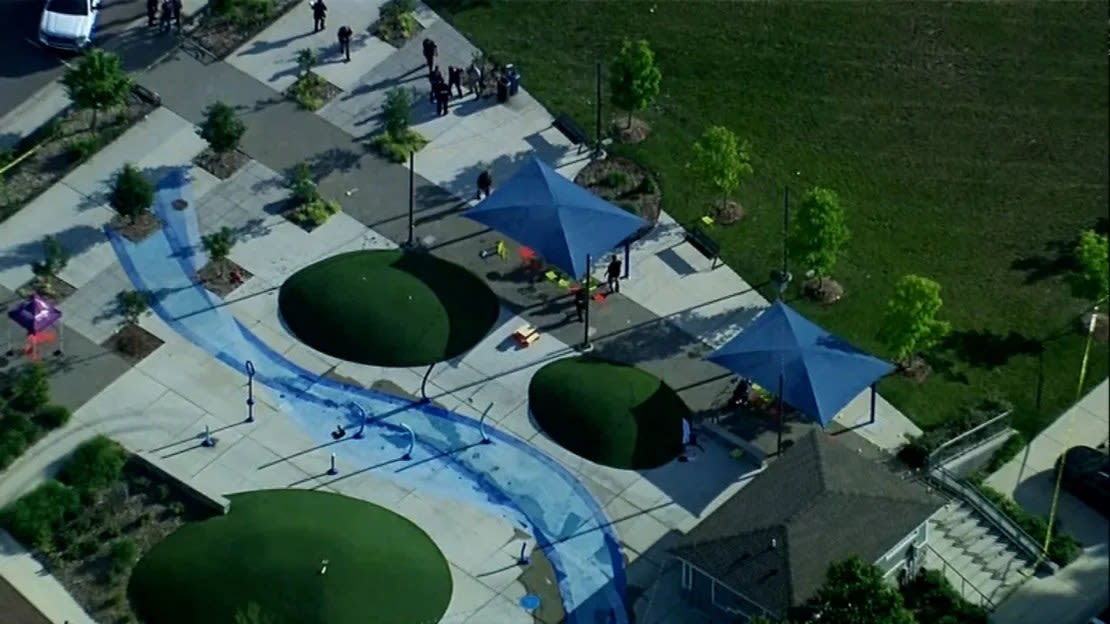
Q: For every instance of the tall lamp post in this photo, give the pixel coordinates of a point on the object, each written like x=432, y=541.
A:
x=412, y=199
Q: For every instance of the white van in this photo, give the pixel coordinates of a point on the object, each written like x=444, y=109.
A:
x=68, y=24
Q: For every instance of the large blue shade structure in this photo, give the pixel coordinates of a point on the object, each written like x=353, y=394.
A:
x=562, y=222
x=816, y=372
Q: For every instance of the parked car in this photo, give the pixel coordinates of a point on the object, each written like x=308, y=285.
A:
x=68, y=24
x=1086, y=474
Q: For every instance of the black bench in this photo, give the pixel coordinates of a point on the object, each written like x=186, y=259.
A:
x=705, y=244
x=571, y=131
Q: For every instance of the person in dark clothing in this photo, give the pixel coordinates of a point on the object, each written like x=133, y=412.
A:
x=443, y=97
x=454, y=79
x=319, y=15
x=166, y=16
x=474, y=77
x=435, y=77
x=177, y=10
x=430, y=53
x=485, y=184
x=345, y=33
x=152, y=12
x=613, y=275
x=742, y=394
x=580, y=303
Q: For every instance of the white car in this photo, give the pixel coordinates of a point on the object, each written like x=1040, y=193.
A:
x=68, y=24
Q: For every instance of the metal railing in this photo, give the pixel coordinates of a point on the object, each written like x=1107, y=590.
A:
x=970, y=495
x=984, y=600
x=969, y=439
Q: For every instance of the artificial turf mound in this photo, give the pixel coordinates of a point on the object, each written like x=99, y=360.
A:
x=268, y=552
x=388, y=308
x=609, y=413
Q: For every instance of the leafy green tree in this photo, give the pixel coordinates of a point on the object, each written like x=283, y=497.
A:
x=222, y=128
x=95, y=465
x=819, y=231
x=1092, y=280
x=306, y=60
x=132, y=304
x=634, y=79
x=722, y=159
x=933, y=599
x=218, y=246
x=54, y=260
x=31, y=389
x=397, y=112
x=97, y=82
x=132, y=193
x=855, y=592
x=911, y=324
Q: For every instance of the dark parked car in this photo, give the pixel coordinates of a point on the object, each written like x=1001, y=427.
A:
x=1087, y=476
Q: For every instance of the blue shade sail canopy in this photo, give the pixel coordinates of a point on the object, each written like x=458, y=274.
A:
x=820, y=373
x=559, y=220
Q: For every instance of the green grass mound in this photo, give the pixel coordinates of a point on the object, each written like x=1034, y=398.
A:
x=609, y=413
x=262, y=562
x=388, y=308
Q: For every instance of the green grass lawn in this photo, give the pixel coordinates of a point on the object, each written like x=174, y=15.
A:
x=388, y=308
x=268, y=552
x=612, y=414
x=968, y=143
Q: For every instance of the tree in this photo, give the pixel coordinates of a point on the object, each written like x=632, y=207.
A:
x=1092, y=280
x=634, y=79
x=132, y=194
x=54, y=260
x=720, y=157
x=218, y=246
x=855, y=592
x=306, y=60
x=910, y=324
x=132, y=304
x=97, y=82
x=397, y=112
x=31, y=389
x=222, y=128
x=818, y=231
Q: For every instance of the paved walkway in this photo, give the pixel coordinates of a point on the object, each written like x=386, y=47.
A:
x=1079, y=590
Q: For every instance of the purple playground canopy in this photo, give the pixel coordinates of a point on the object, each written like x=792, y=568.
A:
x=36, y=314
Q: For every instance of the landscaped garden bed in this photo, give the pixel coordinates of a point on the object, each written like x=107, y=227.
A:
x=311, y=90
x=222, y=165
x=55, y=289
x=396, y=23
x=227, y=24
x=58, y=147
x=92, y=524
x=306, y=207
x=625, y=183
x=132, y=342
x=936, y=167
x=26, y=414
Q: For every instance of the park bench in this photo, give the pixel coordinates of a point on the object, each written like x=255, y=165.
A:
x=705, y=244
x=571, y=131
x=526, y=335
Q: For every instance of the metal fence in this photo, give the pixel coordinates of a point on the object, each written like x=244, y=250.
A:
x=969, y=440
x=984, y=600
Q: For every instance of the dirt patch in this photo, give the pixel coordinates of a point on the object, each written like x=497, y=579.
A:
x=916, y=369
x=222, y=277
x=630, y=133
x=137, y=230
x=59, y=147
x=220, y=165
x=221, y=36
x=539, y=580
x=727, y=212
x=823, y=289
x=133, y=343
x=144, y=508
x=55, y=289
x=625, y=183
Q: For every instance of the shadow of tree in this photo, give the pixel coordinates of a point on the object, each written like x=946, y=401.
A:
x=1056, y=259
x=74, y=240
x=336, y=159
x=986, y=349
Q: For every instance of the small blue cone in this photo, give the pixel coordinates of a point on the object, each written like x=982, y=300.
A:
x=531, y=602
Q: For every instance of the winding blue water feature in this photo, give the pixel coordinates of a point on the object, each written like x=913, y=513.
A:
x=508, y=478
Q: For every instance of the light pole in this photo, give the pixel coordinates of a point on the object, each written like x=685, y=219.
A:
x=250, y=391
x=412, y=199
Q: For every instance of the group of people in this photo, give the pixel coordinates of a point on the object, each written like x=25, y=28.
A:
x=442, y=88
x=612, y=282
x=170, y=14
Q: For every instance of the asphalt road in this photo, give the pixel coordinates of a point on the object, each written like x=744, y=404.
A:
x=26, y=66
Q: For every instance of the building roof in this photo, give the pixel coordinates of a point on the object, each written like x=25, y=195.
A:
x=821, y=502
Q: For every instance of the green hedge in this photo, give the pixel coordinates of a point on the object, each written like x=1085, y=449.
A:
x=933, y=599
x=94, y=467
x=1062, y=549
x=25, y=412
x=1003, y=454
x=915, y=452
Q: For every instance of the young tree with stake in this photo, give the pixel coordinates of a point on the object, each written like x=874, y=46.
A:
x=97, y=83
x=818, y=232
x=911, y=324
x=54, y=260
x=722, y=160
x=132, y=194
x=634, y=79
x=218, y=246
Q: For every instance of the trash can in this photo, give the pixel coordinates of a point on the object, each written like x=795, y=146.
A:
x=502, y=89
x=514, y=79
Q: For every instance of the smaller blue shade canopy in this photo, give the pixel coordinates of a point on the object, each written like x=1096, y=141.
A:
x=559, y=220
x=820, y=373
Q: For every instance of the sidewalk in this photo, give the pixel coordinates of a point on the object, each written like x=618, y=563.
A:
x=1079, y=590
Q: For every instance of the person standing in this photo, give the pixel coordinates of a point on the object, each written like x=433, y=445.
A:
x=178, y=7
x=474, y=77
x=152, y=12
x=443, y=97
x=319, y=15
x=580, y=303
x=430, y=53
x=166, y=16
x=454, y=79
x=485, y=184
x=345, y=33
x=613, y=275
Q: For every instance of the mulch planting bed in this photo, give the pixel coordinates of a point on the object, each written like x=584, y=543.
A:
x=143, y=508
x=394, y=38
x=625, y=183
x=321, y=91
x=60, y=147
x=220, y=36
x=56, y=289
x=133, y=343
x=630, y=133
x=222, y=277
x=137, y=230
x=223, y=166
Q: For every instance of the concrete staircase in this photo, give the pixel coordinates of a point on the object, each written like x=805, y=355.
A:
x=974, y=556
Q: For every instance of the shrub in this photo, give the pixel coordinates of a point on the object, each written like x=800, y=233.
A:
x=163, y=492
x=917, y=450
x=307, y=58
x=303, y=186
x=31, y=390
x=397, y=112
x=933, y=599
x=1062, y=548
x=132, y=193
x=397, y=148
x=132, y=304
x=123, y=555
x=17, y=434
x=53, y=416
x=87, y=548
x=396, y=20
x=80, y=150
x=1003, y=454
x=94, y=467
x=222, y=128
x=315, y=213
x=36, y=516
x=616, y=179
x=247, y=14
x=177, y=508
x=308, y=91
